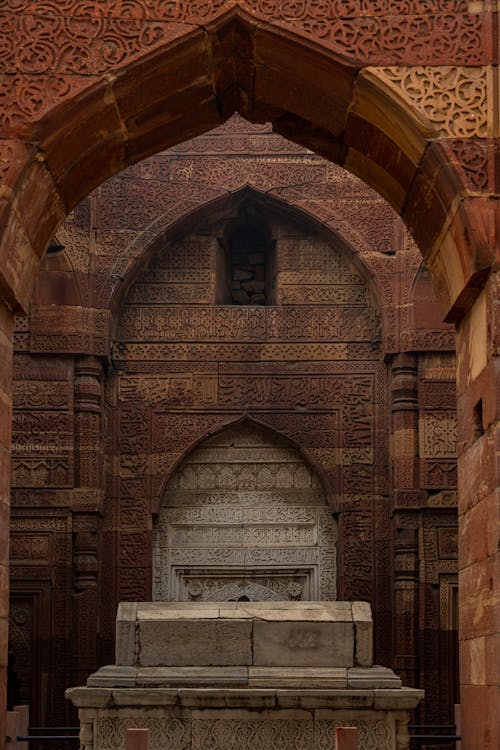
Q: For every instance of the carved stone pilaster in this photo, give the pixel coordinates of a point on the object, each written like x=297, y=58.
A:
x=88, y=395
x=405, y=421
x=406, y=495
x=88, y=409
x=85, y=545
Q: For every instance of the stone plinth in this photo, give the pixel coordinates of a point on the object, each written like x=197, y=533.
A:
x=244, y=675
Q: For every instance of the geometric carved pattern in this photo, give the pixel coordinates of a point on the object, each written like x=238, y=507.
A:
x=439, y=434
x=275, y=733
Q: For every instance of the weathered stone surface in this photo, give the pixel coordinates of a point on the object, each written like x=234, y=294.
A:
x=210, y=676
x=362, y=617
x=372, y=677
x=227, y=697
x=125, y=633
x=324, y=697
x=258, y=634
x=113, y=676
x=190, y=641
x=303, y=644
x=284, y=676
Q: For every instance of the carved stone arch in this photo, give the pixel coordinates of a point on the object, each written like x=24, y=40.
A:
x=234, y=421
x=367, y=119
x=244, y=517
x=186, y=216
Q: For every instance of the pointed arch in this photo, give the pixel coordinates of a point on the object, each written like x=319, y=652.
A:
x=262, y=494
x=241, y=420
x=193, y=82
x=187, y=215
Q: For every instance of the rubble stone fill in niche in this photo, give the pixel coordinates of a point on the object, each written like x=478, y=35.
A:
x=246, y=265
x=244, y=518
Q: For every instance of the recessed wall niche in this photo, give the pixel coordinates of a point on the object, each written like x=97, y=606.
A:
x=246, y=267
x=244, y=518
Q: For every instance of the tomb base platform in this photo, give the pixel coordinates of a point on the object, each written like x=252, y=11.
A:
x=244, y=676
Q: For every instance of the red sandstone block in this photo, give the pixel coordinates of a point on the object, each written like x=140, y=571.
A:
x=232, y=45
x=475, y=228
x=94, y=167
x=474, y=232
x=465, y=660
x=380, y=180
x=37, y=201
x=5, y=422
x=89, y=119
x=427, y=210
x=378, y=147
x=275, y=49
x=197, y=114
x=136, y=739
x=492, y=656
x=4, y=528
x=5, y=364
x=3, y=689
x=318, y=91
x=346, y=738
x=14, y=157
x=479, y=596
x=477, y=476
x=56, y=288
x=484, y=389
x=145, y=84
x=480, y=717
x=479, y=530
x=6, y=322
x=4, y=633
x=18, y=262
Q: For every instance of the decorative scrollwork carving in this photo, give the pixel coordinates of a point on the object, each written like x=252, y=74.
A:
x=453, y=99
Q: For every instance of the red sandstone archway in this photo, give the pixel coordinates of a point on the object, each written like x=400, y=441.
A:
x=197, y=79
x=363, y=119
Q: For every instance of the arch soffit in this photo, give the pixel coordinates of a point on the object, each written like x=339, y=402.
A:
x=233, y=421
x=365, y=119
x=167, y=227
